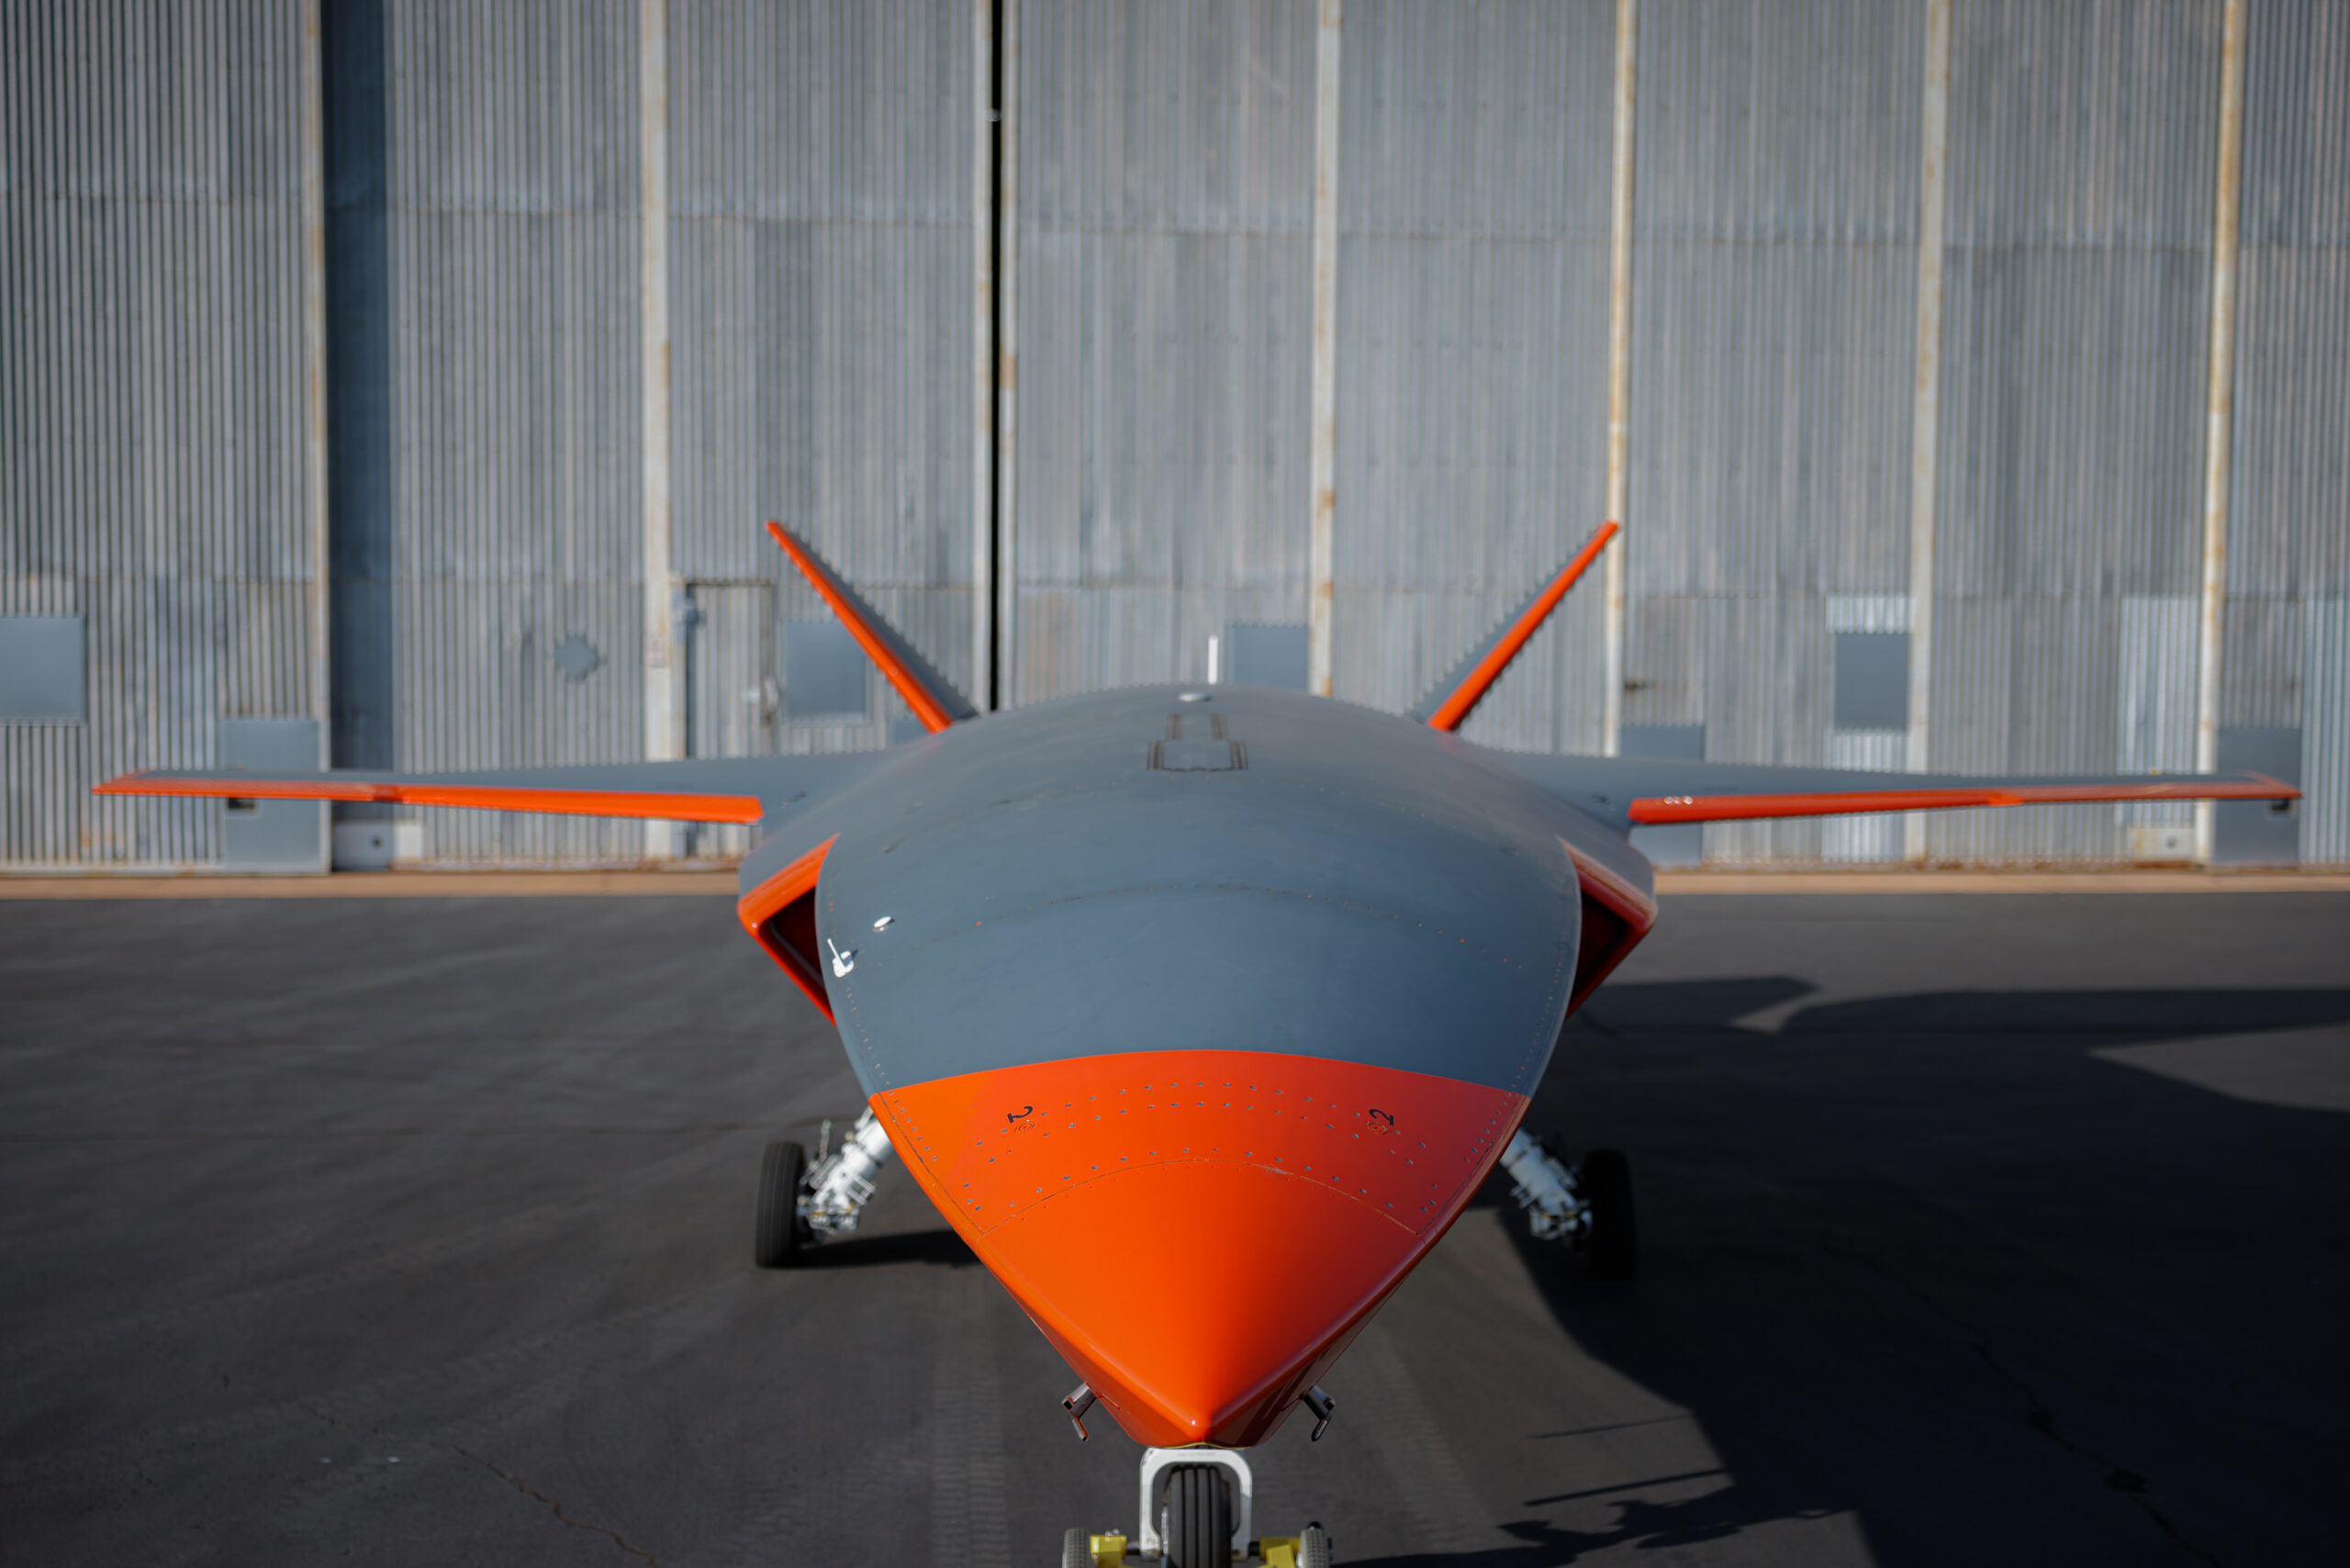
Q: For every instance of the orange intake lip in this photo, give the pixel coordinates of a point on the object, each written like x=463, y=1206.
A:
x=1200, y=1233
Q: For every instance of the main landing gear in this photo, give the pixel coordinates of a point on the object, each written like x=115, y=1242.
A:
x=1198, y=1511
x=800, y=1207
x=1587, y=1206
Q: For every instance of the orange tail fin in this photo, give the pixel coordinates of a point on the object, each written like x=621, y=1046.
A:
x=935, y=702
x=1452, y=701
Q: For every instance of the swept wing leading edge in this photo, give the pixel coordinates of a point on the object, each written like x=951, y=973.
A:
x=1633, y=792
x=708, y=789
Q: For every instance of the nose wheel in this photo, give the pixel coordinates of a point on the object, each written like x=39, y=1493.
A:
x=1195, y=1521
x=1198, y=1511
x=782, y=1234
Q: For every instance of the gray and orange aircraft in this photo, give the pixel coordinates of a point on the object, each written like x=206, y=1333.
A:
x=1251, y=984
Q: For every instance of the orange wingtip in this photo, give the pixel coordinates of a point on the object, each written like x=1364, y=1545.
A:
x=1466, y=696
x=1659, y=809
x=927, y=708
x=644, y=803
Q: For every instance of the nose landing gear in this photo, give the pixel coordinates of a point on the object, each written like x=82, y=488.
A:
x=799, y=1208
x=1198, y=1511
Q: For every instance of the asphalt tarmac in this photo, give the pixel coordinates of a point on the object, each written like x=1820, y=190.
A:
x=1975, y=1229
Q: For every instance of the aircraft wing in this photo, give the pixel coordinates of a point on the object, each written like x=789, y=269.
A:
x=1634, y=792
x=706, y=789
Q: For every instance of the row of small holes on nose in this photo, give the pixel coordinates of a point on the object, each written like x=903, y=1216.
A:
x=1095, y=1108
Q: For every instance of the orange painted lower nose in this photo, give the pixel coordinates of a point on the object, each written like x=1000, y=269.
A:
x=1200, y=1233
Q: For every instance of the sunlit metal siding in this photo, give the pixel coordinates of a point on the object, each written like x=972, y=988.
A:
x=1474, y=178
x=2289, y=531
x=1166, y=182
x=517, y=480
x=819, y=167
x=2075, y=337
x=2288, y=660
x=2156, y=699
x=151, y=401
x=1773, y=300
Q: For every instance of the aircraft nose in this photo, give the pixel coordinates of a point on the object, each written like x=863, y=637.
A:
x=1200, y=1233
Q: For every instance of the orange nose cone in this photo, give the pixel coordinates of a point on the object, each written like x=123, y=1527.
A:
x=1200, y=1233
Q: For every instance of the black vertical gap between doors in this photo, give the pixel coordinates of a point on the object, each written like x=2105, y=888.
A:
x=359, y=388
x=992, y=679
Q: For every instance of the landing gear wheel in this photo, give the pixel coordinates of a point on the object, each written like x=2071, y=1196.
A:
x=780, y=1233
x=1313, y=1548
x=1613, y=1245
x=1197, y=1517
x=1076, y=1549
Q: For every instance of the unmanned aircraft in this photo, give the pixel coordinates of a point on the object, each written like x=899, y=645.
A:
x=1245, y=989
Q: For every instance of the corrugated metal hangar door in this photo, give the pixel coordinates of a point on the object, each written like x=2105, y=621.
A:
x=1968, y=375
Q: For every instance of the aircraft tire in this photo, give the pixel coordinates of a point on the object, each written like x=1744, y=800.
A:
x=1613, y=1248
x=1198, y=1530
x=780, y=1232
x=1076, y=1549
x=1313, y=1548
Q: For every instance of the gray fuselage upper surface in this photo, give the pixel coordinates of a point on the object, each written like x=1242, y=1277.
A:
x=1262, y=871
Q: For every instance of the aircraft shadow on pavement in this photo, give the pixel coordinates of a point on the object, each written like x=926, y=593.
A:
x=1945, y=1263
x=939, y=1245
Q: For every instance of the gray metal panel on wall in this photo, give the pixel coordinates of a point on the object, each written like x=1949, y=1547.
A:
x=2288, y=538
x=152, y=392
x=2076, y=336
x=1773, y=334
x=516, y=477
x=820, y=168
x=272, y=835
x=1166, y=185
x=1472, y=349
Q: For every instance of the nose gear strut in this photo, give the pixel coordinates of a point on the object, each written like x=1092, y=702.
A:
x=800, y=1207
x=1586, y=1205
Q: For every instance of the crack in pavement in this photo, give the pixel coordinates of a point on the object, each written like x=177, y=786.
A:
x=2131, y=1484
x=525, y=1488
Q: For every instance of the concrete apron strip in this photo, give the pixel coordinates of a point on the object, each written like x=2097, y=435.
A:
x=721, y=884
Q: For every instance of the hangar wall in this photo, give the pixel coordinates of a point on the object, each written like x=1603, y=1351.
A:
x=1163, y=220
x=1472, y=258
x=1010, y=305
x=512, y=282
x=2287, y=662
x=1774, y=254
x=160, y=483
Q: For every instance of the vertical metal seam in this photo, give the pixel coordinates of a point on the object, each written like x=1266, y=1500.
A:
x=1322, y=436
x=1619, y=369
x=319, y=597
x=2219, y=408
x=661, y=664
x=1007, y=356
x=1925, y=426
x=983, y=447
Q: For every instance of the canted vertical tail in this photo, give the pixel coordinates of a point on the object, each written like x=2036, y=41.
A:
x=1458, y=694
x=935, y=702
